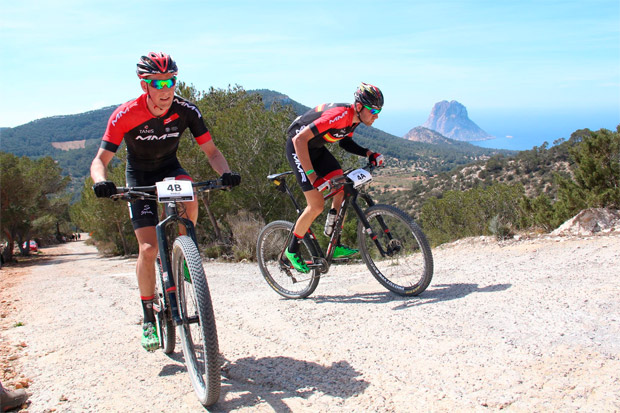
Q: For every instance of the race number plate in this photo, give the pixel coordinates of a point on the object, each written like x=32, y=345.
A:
x=359, y=177
x=173, y=190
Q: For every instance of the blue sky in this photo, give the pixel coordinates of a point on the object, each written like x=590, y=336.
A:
x=498, y=58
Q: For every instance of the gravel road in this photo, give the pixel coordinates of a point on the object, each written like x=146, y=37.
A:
x=529, y=325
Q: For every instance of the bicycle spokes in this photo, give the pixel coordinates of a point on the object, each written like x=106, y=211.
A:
x=277, y=269
x=395, y=250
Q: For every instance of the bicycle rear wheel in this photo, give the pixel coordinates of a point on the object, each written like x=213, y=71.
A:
x=165, y=325
x=406, y=268
x=198, y=331
x=277, y=270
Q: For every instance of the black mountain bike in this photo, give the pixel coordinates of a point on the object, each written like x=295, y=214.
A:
x=182, y=297
x=391, y=244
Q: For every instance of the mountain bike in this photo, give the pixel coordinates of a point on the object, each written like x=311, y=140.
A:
x=182, y=297
x=391, y=244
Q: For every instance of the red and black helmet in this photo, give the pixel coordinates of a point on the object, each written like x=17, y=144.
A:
x=156, y=63
x=369, y=95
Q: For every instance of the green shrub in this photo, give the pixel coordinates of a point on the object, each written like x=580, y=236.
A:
x=493, y=210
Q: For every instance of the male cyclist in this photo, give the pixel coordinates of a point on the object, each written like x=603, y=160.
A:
x=314, y=166
x=151, y=126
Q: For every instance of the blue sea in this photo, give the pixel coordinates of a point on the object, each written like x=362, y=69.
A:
x=515, y=130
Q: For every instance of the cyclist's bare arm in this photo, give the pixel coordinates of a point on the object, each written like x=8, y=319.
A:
x=216, y=159
x=98, y=168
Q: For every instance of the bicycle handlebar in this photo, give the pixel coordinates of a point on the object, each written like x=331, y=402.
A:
x=337, y=183
x=150, y=192
x=343, y=179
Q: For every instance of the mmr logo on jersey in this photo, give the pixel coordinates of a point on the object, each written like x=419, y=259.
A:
x=157, y=138
x=337, y=118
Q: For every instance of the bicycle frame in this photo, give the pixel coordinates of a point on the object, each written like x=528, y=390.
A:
x=172, y=217
x=350, y=199
x=390, y=243
x=170, y=288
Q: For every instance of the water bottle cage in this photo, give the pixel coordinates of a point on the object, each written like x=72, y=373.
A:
x=329, y=223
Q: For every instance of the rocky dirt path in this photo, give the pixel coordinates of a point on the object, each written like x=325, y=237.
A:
x=532, y=325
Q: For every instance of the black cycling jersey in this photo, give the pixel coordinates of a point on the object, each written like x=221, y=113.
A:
x=329, y=122
x=152, y=144
x=152, y=141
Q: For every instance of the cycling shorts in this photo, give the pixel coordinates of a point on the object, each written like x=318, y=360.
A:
x=143, y=213
x=323, y=162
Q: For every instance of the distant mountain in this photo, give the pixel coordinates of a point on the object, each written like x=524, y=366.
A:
x=73, y=140
x=36, y=138
x=450, y=119
x=422, y=134
x=270, y=97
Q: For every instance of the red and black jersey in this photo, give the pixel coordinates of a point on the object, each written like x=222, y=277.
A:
x=152, y=141
x=329, y=122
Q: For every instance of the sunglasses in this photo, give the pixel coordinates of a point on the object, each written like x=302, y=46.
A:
x=159, y=84
x=372, y=111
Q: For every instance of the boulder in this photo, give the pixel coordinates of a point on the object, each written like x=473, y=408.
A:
x=590, y=222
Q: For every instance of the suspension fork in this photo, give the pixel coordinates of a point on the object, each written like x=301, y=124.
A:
x=170, y=288
x=362, y=217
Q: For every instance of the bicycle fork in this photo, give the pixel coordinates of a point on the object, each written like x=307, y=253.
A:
x=170, y=288
x=368, y=229
x=165, y=256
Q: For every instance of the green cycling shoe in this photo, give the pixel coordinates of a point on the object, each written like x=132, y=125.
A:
x=342, y=252
x=150, y=341
x=186, y=272
x=298, y=263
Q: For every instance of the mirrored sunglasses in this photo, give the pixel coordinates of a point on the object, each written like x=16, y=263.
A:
x=159, y=84
x=372, y=111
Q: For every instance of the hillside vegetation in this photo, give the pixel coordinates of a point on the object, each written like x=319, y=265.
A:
x=35, y=139
x=453, y=190
x=539, y=188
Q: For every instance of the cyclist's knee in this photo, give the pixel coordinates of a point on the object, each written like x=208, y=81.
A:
x=315, y=209
x=148, y=250
x=190, y=210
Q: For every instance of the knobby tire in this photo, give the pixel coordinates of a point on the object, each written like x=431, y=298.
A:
x=292, y=284
x=199, y=340
x=408, y=268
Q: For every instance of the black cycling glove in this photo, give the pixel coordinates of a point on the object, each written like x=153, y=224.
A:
x=375, y=159
x=231, y=179
x=104, y=189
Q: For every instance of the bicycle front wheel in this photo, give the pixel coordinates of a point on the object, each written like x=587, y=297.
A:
x=198, y=332
x=277, y=270
x=165, y=325
x=400, y=257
